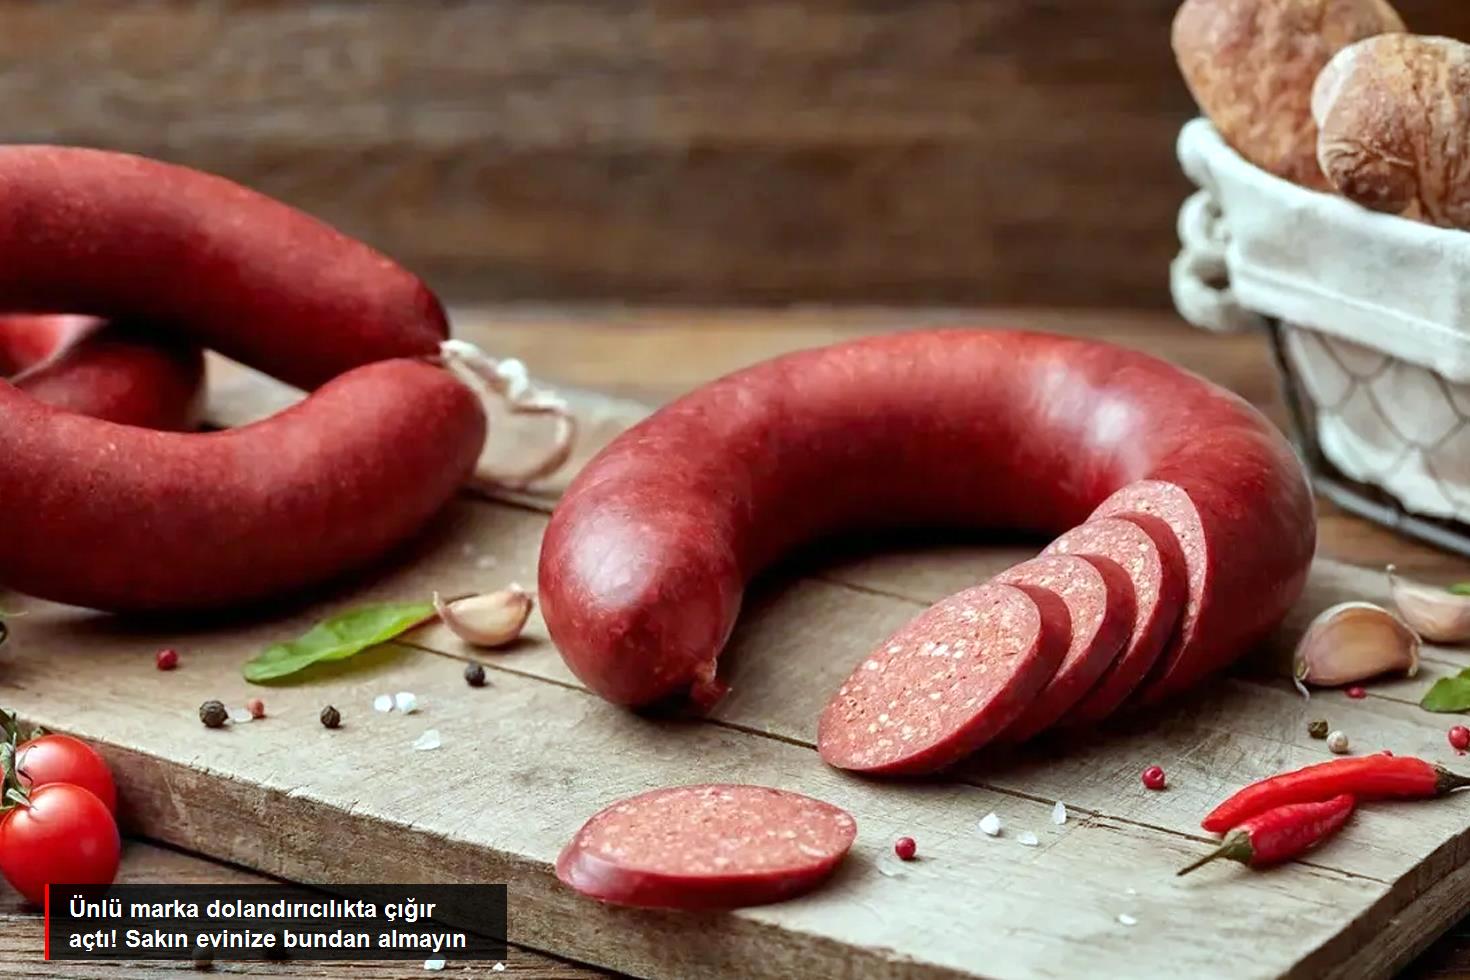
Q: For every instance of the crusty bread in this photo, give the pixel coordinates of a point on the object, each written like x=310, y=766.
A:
x=1251, y=65
x=1394, y=113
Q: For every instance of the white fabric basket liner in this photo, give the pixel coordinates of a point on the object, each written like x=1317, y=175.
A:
x=1398, y=286
x=1374, y=312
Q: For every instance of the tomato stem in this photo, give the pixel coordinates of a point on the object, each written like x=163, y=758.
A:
x=13, y=792
x=10, y=727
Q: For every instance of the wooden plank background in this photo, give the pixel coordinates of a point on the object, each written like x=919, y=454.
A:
x=513, y=779
x=994, y=151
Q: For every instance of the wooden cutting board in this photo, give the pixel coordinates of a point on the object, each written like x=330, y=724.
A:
x=525, y=760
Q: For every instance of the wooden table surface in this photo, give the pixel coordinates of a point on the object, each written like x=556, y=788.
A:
x=653, y=355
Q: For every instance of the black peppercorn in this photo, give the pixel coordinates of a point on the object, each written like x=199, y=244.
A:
x=213, y=714
x=1318, y=728
x=474, y=675
x=331, y=717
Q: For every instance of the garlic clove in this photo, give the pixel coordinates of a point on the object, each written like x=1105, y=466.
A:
x=492, y=619
x=1438, y=615
x=1354, y=641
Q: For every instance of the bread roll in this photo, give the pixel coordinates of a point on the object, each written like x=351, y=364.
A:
x=1394, y=113
x=1251, y=65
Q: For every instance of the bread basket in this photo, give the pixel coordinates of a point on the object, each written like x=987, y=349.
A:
x=1369, y=315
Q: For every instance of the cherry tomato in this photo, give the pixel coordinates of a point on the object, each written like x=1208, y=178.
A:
x=63, y=759
x=65, y=837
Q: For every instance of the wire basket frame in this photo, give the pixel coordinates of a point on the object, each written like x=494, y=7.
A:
x=1358, y=498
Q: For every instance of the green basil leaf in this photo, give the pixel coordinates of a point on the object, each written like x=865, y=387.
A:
x=1460, y=588
x=338, y=638
x=1448, y=694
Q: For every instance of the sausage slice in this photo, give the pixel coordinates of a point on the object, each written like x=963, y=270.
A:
x=947, y=683
x=712, y=846
x=1099, y=601
x=1147, y=552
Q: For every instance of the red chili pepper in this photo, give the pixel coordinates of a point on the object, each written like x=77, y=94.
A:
x=1281, y=834
x=1368, y=777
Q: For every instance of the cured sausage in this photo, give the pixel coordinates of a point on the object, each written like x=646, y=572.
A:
x=714, y=846
x=74, y=363
x=959, y=674
x=646, y=556
x=126, y=238
x=128, y=519
x=121, y=519
x=1149, y=554
x=1228, y=608
x=1100, y=604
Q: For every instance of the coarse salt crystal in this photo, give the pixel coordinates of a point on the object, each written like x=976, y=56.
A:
x=241, y=716
x=383, y=703
x=1027, y=839
x=1059, y=813
x=498, y=968
x=406, y=702
x=435, y=965
x=888, y=869
x=1130, y=891
x=428, y=741
x=990, y=825
x=1127, y=920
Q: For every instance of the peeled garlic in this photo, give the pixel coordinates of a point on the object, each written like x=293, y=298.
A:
x=1354, y=641
x=491, y=619
x=1438, y=615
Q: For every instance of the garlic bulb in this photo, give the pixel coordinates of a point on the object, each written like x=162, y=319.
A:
x=1436, y=614
x=1354, y=641
x=491, y=619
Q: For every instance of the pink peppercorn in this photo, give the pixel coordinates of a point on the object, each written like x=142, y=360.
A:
x=166, y=659
x=1154, y=778
x=1460, y=738
x=905, y=848
x=1356, y=692
x=256, y=707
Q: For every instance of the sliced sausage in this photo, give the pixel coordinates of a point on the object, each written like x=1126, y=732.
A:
x=1100, y=604
x=128, y=519
x=74, y=363
x=646, y=557
x=126, y=238
x=1241, y=564
x=1146, y=550
x=27, y=341
x=948, y=682
x=714, y=846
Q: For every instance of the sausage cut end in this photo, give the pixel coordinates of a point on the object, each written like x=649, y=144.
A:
x=943, y=685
